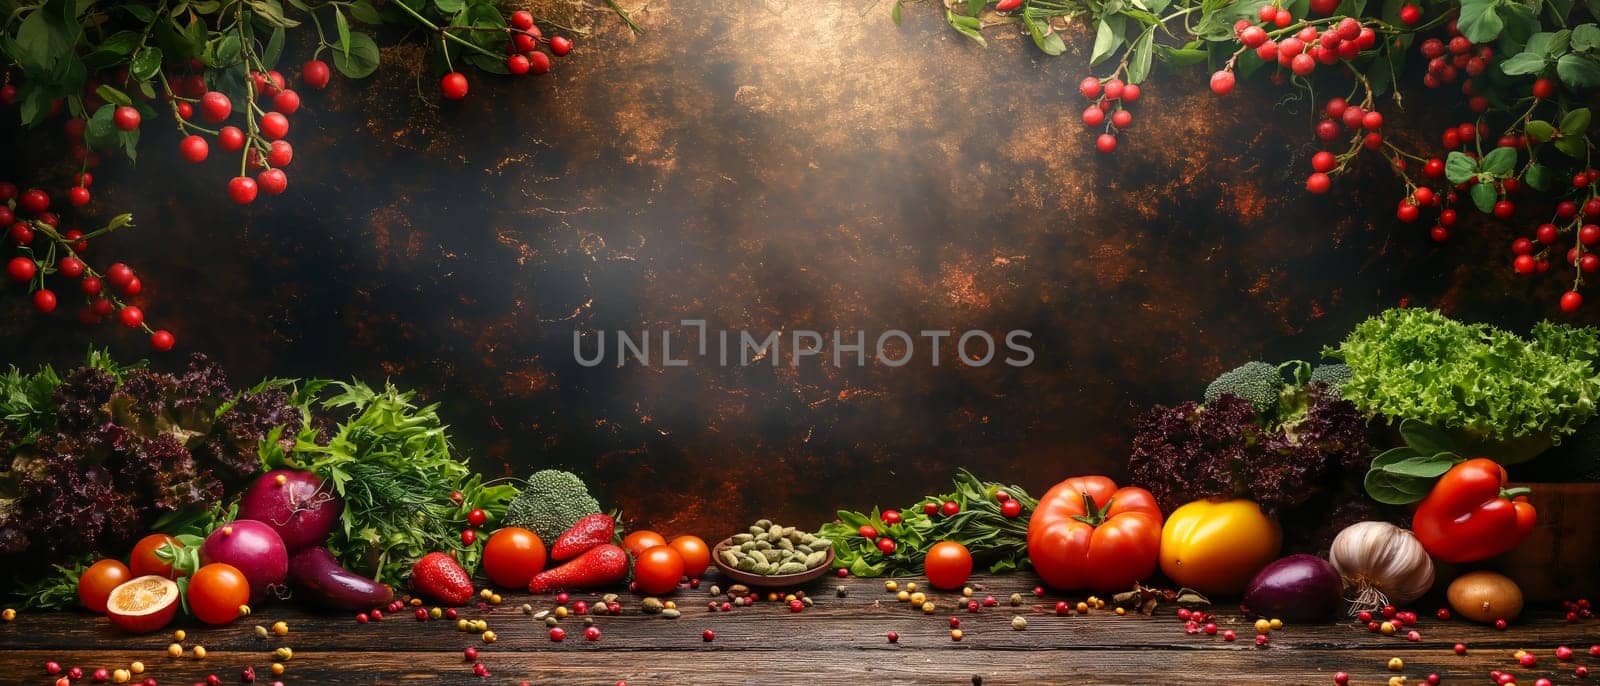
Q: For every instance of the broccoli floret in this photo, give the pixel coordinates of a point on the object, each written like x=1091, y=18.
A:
x=1332, y=374
x=1258, y=382
x=550, y=504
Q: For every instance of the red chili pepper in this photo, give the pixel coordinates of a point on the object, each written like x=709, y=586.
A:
x=1470, y=515
x=1007, y=5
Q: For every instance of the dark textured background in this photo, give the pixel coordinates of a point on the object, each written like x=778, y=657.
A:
x=773, y=165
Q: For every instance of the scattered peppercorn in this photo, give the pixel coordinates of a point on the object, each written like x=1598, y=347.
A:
x=1396, y=664
x=955, y=634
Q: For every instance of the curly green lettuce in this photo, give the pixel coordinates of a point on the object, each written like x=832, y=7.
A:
x=1484, y=382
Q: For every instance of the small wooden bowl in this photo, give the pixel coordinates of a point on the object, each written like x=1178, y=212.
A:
x=769, y=581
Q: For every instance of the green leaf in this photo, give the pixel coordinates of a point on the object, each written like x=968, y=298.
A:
x=43, y=40
x=112, y=95
x=1421, y=467
x=144, y=14
x=100, y=133
x=146, y=63
x=364, y=12
x=1573, y=146
x=1549, y=44
x=1575, y=122
x=1425, y=439
x=120, y=43
x=226, y=51
x=274, y=49
x=1528, y=62
x=894, y=14
x=1392, y=489
x=362, y=60
x=1499, y=161
x=344, y=30
x=1539, y=131
x=1585, y=37
x=1183, y=57
x=966, y=26
x=450, y=6
x=35, y=105
x=272, y=12
x=1484, y=197
x=1106, y=39
x=1539, y=177
x=1458, y=168
x=1479, y=21
x=1139, y=58
x=1578, y=71
x=1047, y=41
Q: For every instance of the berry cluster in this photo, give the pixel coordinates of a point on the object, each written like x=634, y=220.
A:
x=44, y=250
x=1572, y=227
x=523, y=54
x=1454, y=55
x=1108, y=108
x=261, y=143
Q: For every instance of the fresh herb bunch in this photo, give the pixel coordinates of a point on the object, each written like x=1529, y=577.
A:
x=992, y=538
x=1404, y=475
x=1495, y=392
x=96, y=458
x=390, y=462
x=1526, y=72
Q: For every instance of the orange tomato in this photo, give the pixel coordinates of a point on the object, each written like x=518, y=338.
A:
x=637, y=541
x=144, y=561
x=948, y=565
x=97, y=582
x=657, y=570
x=696, y=555
x=512, y=556
x=216, y=592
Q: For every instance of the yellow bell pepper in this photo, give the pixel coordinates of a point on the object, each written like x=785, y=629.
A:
x=1217, y=546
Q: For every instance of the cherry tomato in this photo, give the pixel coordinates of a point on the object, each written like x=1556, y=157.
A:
x=96, y=583
x=469, y=536
x=695, y=553
x=1010, y=508
x=950, y=508
x=930, y=508
x=216, y=592
x=891, y=517
x=512, y=556
x=948, y=565
x=144, y=561
x=868, y=531
x=477, y=517
x=886, y=545
x=636, y=542
x=656, y=570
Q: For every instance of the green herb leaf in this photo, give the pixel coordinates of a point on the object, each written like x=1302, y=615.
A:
x=1139, y=59
x=1585, y=37
x=1499, y=161
x=1458, y=168
x=1479, y=21
x=362, y=59
x=1106, y=39
x=1539, y=131
x=1528, y=62
x=1575, y=122
x=1484, y=197
x=1578, y=71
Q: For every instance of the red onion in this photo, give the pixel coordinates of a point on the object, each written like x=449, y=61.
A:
x=1296, y=588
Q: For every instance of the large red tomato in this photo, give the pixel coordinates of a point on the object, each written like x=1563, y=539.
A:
x=1087, y=534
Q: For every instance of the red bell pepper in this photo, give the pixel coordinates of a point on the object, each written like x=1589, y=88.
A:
x=1470, y=515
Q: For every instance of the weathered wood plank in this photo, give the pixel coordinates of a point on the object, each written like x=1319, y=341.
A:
x=715, y=665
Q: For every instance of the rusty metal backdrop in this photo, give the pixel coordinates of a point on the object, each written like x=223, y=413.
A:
x=772, y=165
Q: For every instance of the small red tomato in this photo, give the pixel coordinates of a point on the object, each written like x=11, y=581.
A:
x=477, y=517
x=469, y=536
x=930, y=508
x=886, y=546
x=950, y=508
x=867, y=531
x=891, y=517
x=1010, y=509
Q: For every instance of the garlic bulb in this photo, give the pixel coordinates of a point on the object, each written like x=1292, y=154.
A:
x=1383, y=563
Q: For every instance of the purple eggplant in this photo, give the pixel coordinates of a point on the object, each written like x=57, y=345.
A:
x=317, y=572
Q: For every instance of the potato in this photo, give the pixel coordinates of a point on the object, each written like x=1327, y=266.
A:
x=1485, y=597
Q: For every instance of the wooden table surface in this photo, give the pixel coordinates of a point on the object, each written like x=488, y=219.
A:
x=839, y=641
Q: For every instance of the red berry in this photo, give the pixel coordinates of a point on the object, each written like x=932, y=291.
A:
x=1589, y=234
x=215, y=107
x=119, y=274
x=230, y=139
x=523, y=42
x=1407, y=212
x=272, y=181
x=522, y=19
x=1433, y=168
x=22, y=233
x=886, y=545
x=1090, y=87
x=1522, y=246
x=1318, y=183
x=287, y=102
x=280, y=154
x=1570, y=302
x=540, y=62
x=1302, y=64
x=133, y=288
x=70, y=267
x=1504, y=209
x=1131, y=92
x=193, y=149
x=78, y=196
x=1323, y=8
x=1328, y=130
x=130, y=316
x=1372, y=141
x=1524, y=264
x=517, y=64
x=1336, y=107
x=1122, y=119
x=560, y=45
x=1094, y=116
x=1423, y=196
x=1268, y=52
x=708, y=635
x=1439, y=234
x=125, y=118
x=1105, y=143
x=1114, y=89
x=242, y=190
x=34, y=200
x=185, y=111
x=1348, y=28
x=1372, y=121
x=21, y=269
x=1222, y=82
x=469, y=536
x=1253, y=36
x=1410, y=14
x=274, y=125
x=44, y=300
x=453, y=86
x=1282, y=18
x=1546, y=233
x=315, y=74
x=1323, y=161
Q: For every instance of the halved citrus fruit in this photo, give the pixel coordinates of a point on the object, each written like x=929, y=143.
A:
x=143, y=605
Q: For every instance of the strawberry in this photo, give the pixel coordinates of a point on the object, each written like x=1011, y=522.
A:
x=602, y=565
x=438, y=576
x=589, y=532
